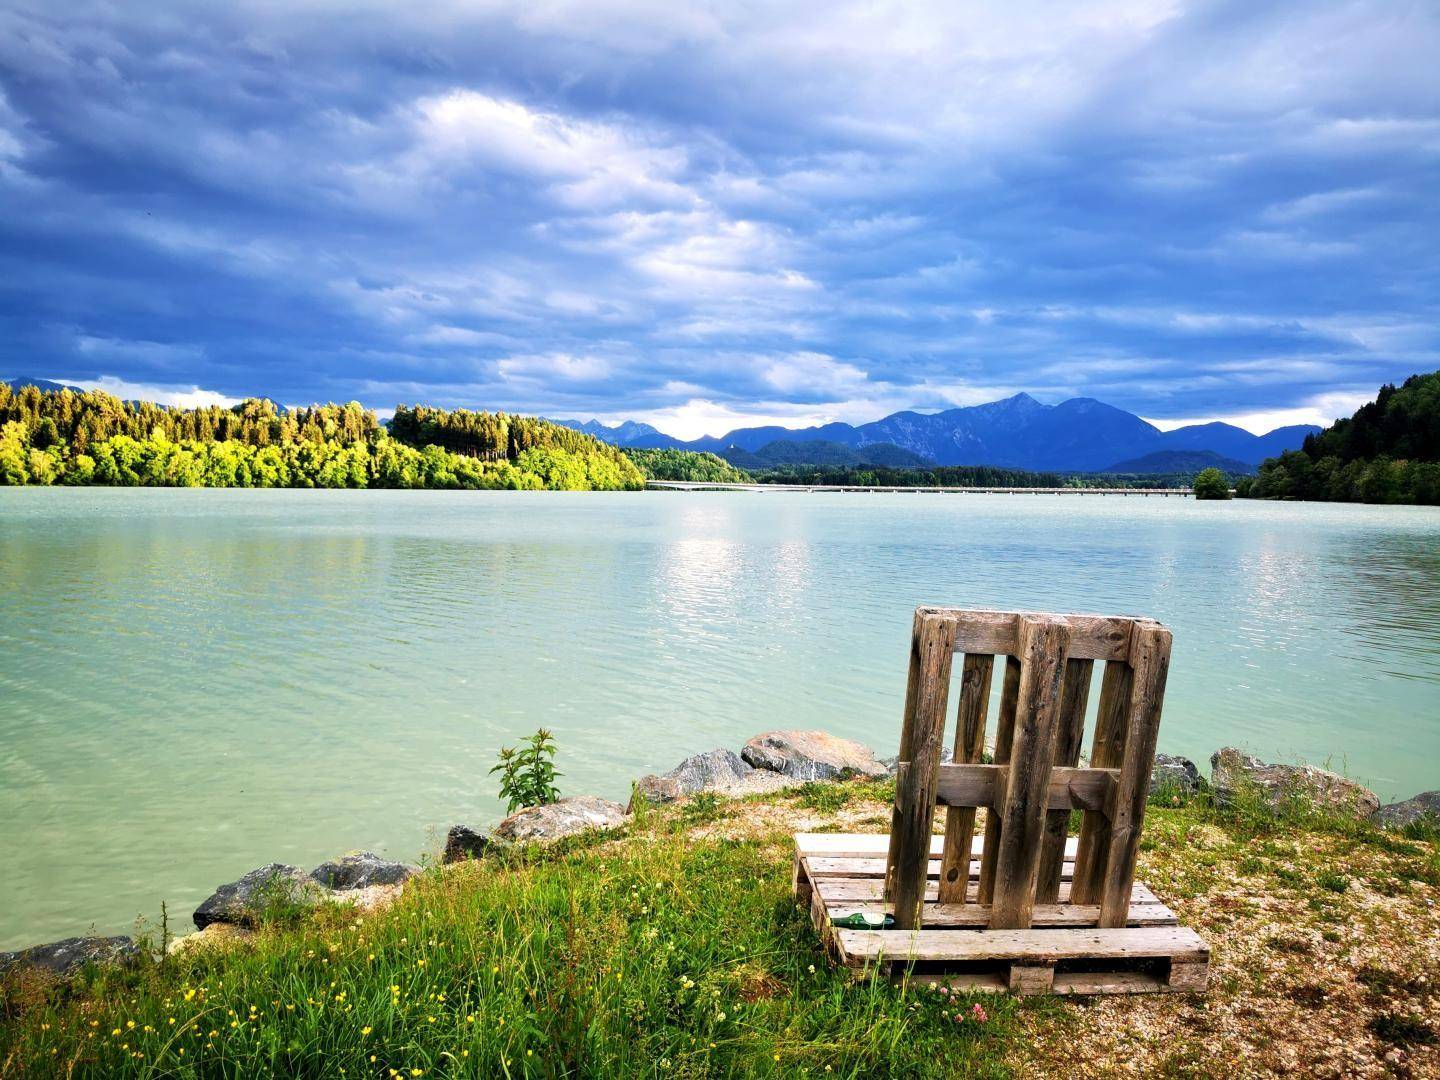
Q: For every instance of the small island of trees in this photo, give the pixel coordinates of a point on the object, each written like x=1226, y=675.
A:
x=91, y=437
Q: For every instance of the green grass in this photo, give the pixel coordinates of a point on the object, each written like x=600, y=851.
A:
x=662, y=955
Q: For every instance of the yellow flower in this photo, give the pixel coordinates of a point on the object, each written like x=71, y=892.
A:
x=365, y=1031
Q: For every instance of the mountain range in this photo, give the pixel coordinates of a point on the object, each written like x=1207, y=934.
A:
x=1078, y=435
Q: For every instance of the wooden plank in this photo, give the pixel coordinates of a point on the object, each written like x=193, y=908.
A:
x=1068, y=737
x=1179, y=943
x=1070, y=788
x=860, y=845
x=873, y=889
x=1044, y=647
x=1194, y=976
x=1107, y=751
x=1028, y=979
x=1004, y=734
x=932, y=650
x=969, y=749
x=1092, y=637
x=977, y=916
x=1107, y=982
x=823, y=867
x=1150, y=662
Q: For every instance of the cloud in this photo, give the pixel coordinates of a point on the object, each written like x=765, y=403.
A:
x=712, y=213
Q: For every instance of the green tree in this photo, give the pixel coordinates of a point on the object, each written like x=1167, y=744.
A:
x=1211, y=484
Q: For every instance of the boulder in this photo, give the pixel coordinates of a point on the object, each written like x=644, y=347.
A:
x=1232, y=771
x=360, y=870
x=243, y=901
x=216, y=935
x=947, y=756
x=721, y=771
x=1176, y=773
x=811, y=755
x=72, y=954
x=1396, y=815
x=463, y=842
x=538, y=824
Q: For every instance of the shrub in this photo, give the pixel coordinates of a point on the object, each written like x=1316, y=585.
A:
x=527, y=772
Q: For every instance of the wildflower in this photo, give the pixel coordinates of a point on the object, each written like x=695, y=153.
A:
x=978, y=1011
x=812, y=969
x=365, y=1031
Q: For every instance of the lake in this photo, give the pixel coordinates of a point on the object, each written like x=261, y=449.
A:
x=195, y=683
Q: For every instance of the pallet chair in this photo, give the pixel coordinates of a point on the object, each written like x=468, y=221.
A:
x=1025, y=907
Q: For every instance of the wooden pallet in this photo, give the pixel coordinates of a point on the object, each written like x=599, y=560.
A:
x=1024, y=907
x=1064, y=952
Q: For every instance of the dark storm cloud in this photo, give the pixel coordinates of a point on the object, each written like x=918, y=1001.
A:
x=695, y=215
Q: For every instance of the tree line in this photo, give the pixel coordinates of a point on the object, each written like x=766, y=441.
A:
x=689, y=465
x=1388, y=452
x=91, y=437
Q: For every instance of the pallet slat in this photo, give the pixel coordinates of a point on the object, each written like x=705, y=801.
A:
x=1177, y=943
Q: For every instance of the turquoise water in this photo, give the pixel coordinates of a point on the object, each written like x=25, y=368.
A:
x=194, y=683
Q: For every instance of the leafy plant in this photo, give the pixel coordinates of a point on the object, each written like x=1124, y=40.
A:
x=527, y=772
x=1211, y=484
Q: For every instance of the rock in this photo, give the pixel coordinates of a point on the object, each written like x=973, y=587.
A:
x=1232, y=771
x=721, y=771
x=1396, y=815
x=947, y=756
x=538, y=824
x=216, y=935
x=1175, y=773
x=72, y=954
x=361, y=869
x=370, y=897
x=243, y=901
x=811, y=755
x=463, y=842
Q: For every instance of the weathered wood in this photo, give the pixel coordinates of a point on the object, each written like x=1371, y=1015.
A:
x=1068, y=737
x=873, y=845
x=1004, y=733
x=1150, y=664
x=913, y=683
x=872, y=890
x=969, y=748
x=1107, y=751
x=933, y=649
x=1092, y=637
x=1180, y=944
x=977, y=916
x=800, y=887
x=1027, y=979
x=1044, y=646
x=1070, y=788
x=1188, y=976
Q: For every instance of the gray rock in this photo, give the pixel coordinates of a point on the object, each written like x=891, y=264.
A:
x=538, y=824
x=72, y=954
x=721, y=771
x=463, y=842
x=811, y=755
x=947, y=756
x=360, y=870
x=243, y=901
x=1176, y=773
x=1396, y=815
x=1231, y=771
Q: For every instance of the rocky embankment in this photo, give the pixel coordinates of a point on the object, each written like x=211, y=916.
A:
x=767, y=763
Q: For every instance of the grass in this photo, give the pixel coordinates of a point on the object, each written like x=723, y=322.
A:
x=663, y=954
x=674, y=949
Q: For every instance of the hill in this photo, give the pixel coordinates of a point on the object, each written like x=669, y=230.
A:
x=1181, y=462
x=1388, y=452
x=822, y=452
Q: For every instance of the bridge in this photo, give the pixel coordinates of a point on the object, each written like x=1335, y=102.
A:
x=690, y=485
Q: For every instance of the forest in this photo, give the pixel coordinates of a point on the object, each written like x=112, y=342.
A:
x=1388, y=452
x=687, y=465
x=91, y=437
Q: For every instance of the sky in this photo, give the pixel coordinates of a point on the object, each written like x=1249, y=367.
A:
x=713, y=215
